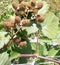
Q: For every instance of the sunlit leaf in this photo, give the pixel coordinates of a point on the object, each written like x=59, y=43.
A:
x=45, y=52
x=4, y=59
x=44, y=9
x=31, y=29
x=52, y=52
x=50, y=26
x=33, y=45
x=3, y=39
x=14, y=55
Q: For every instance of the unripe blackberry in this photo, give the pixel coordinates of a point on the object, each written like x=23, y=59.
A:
x=35, y=11
x=40, y=18
x=22, y=7
x=15, y=5
x=25, y=22
x=33, y=3
x=17, y=40
x=39, y=5
x=22, y=43
x=17, y=19
x=9, y=24
x=16, y=13
x=22, y=13
x=26, y=4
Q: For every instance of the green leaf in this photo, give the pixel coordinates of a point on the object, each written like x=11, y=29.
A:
x=1, y=25
x=33, y=45
x=40, y=49
x=14, y=55
x=44, y=9
x=43, y=41
x=4, y=59
x=2, y=34
x=50, y=25
x=58, y=14
x=52, y=52
x=3, y=39
x=45, y=52
x=31, y=29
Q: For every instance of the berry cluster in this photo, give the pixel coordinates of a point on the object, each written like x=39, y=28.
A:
x=24, y=13
x=19, y=42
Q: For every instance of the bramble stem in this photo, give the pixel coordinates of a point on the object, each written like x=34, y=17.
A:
x=36, y=45
x=40, y=57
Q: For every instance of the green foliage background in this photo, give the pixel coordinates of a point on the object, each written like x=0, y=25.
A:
x=49, y=40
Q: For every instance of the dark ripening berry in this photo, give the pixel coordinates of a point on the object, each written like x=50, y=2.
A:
x=17, y=19
x=25, y=22
x=22, y=43
x=15, y=5
x=40, y=18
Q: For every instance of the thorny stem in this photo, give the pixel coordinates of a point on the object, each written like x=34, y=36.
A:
x=40, y=57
